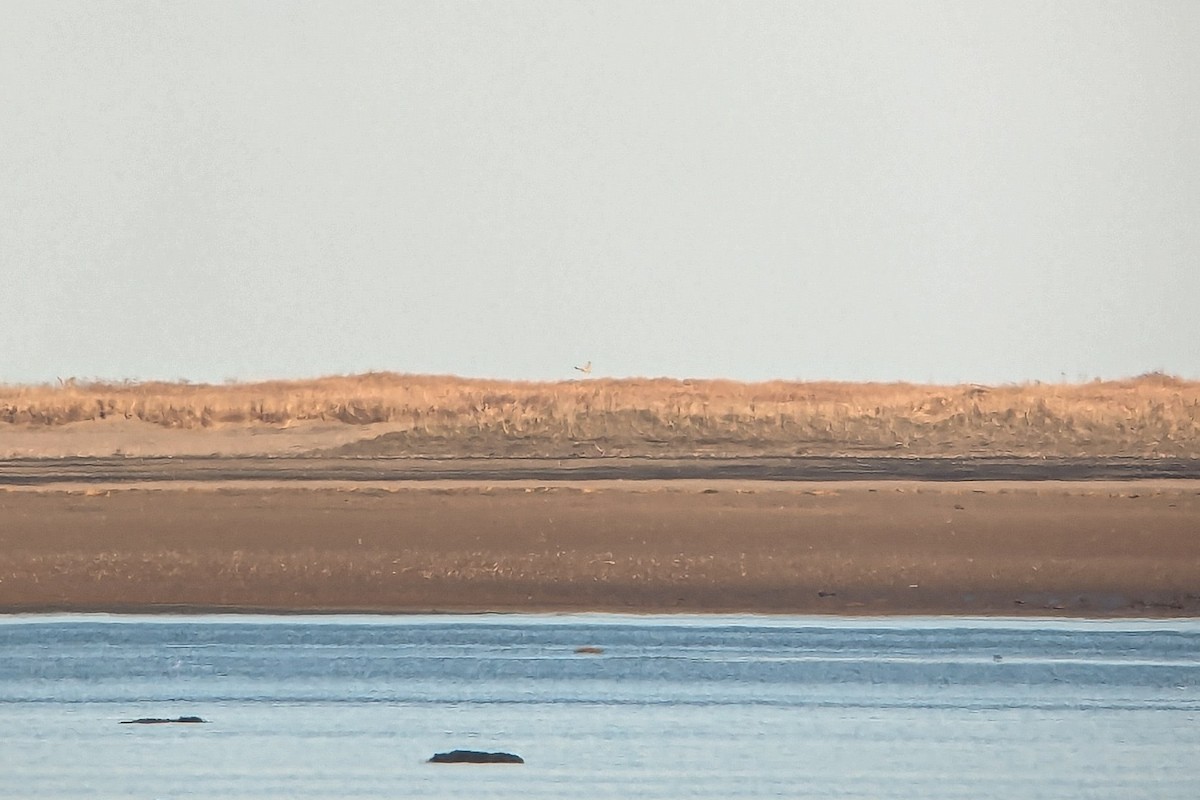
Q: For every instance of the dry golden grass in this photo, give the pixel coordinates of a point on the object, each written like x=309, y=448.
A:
x=1153, y=415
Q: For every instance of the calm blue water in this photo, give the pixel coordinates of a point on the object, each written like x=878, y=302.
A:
x=717, y=707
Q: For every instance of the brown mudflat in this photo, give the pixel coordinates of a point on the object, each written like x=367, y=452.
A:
x=1103, y=548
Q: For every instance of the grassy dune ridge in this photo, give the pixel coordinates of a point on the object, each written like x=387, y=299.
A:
x=1152, y=415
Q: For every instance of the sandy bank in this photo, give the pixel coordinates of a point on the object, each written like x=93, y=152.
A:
x=1092, y=548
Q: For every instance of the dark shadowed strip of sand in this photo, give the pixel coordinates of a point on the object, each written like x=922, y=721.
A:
x=49, y=471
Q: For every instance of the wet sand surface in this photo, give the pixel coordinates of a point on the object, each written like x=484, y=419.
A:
x=45, y=471
x=389, y=544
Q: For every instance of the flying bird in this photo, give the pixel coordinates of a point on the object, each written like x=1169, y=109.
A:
x=586, y=369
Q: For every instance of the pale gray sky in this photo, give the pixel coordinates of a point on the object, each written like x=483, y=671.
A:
x=947, y=191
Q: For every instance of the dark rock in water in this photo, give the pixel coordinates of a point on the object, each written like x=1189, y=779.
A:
x=159, y=721
x=475, y=757
x=591, y=650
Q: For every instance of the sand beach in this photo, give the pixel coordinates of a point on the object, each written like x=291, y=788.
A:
x=121, y=500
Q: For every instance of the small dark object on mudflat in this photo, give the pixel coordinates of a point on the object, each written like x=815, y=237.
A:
x=159, y=721
x=475, y=757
